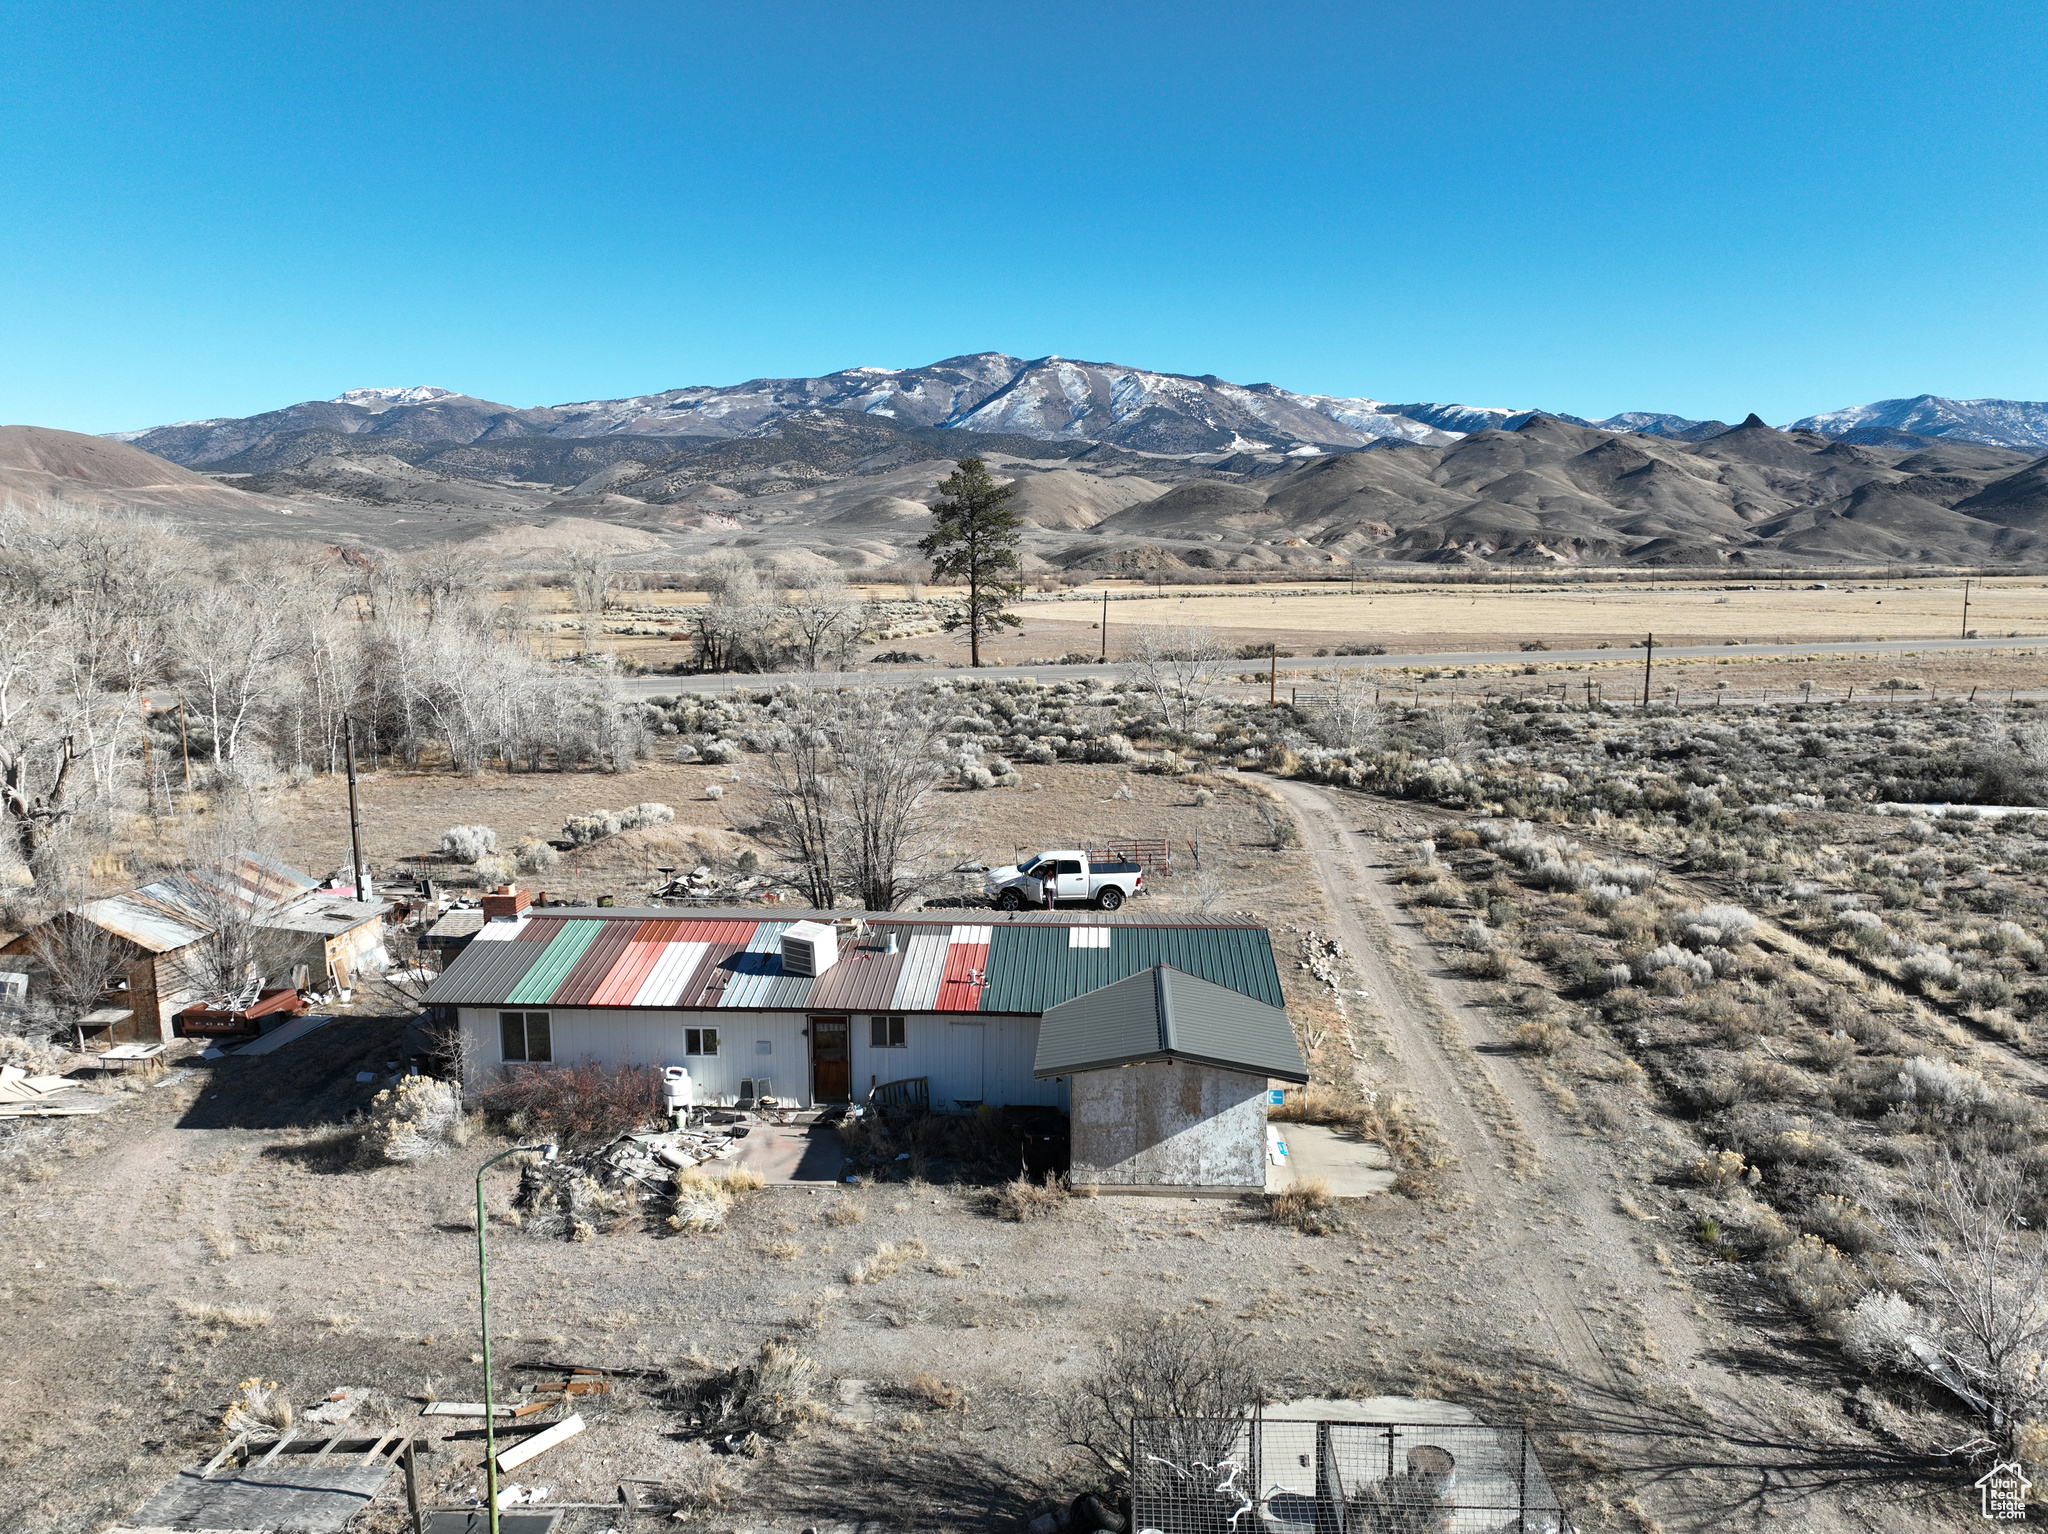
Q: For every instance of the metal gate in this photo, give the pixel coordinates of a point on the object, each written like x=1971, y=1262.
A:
x=1262, y=1475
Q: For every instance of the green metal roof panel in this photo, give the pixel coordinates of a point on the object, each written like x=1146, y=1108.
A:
x=482, y=975
x=555, y=962
x=1164, y=1014
x=1033, y=968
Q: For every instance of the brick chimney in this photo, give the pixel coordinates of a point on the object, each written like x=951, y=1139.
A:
x=507, y=904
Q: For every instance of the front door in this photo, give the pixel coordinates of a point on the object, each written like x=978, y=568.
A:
x=830, y=1060
x=1073, y=882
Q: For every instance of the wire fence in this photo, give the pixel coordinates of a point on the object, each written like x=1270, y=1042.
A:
x=1262, y=1475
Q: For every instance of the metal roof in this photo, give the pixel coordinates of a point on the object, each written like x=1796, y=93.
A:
x=665, y=959
x=1163, y=1014
x=170, y=913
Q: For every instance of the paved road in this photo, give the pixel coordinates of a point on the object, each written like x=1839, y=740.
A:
x=648, y=686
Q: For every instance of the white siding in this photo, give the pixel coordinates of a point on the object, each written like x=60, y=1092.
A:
x=965, y=1056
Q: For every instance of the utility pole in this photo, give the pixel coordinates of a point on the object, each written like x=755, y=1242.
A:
x=1966, y=610
x=1105, y=624
x=1649, y=645
x=184, y=750
x=148, y=768
x=355, y=818
x=1273, y=676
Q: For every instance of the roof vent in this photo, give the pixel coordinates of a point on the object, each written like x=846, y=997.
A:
x=809, y=948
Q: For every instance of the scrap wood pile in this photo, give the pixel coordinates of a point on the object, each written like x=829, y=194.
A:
x=26, y=1096
x=582, y=1194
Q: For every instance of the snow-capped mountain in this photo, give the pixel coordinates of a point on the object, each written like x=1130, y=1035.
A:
x=2014, y=423
x=419, y=394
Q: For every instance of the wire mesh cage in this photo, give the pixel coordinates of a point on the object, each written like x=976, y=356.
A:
x=1263, y=1475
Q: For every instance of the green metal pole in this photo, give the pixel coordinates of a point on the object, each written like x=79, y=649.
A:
x=483, y=1299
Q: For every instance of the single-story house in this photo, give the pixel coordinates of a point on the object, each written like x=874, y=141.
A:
x=823, y=1007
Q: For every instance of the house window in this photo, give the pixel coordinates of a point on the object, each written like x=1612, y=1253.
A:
x=525, y=1036
x=885, y=1032
x=700, y=1041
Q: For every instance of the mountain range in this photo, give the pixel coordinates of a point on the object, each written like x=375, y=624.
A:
x=1117, y=467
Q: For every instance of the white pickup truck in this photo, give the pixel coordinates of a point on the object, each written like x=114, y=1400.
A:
x=1070, y=875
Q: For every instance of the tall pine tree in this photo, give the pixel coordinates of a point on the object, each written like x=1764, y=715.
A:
x=975, y=538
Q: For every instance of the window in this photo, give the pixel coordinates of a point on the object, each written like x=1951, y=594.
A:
x=1070, y=865
x=525, y=1036
x=885, y=1032
x=700, y=1041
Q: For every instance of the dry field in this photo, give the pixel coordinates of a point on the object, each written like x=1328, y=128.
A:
x=1415, y=619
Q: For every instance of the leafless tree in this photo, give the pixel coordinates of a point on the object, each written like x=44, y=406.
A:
x=229, y=890
x=820, y=612
x=1352, y=722
x=888, y=761
x=798, y=777
x=1192, y=1382
x=592, y=578
x=78, y=959
x=1180, y=667
x=1967, y=1239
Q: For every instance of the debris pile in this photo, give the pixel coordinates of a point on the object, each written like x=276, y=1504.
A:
x=582, y=1194
x=26, y=1096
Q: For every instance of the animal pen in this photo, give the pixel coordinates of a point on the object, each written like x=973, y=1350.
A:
x=1265, y=1475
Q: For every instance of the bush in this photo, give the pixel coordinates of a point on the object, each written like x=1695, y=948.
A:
x=1191, y=1379
x=534, y=856
x=1877, y=1332
x=1022, y=1199
x=1306, y=1206
x=575, y=1104
x=770, y=1395
x=468, y=844
x=418, y=1118
x=1719, y=1170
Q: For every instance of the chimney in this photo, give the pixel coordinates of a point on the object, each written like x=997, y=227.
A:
x=508, y=904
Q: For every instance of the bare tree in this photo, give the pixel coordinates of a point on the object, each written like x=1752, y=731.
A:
x=820, y=611
x=1179, y=667
x=1975, y=1262
x=591, y=580
x=887, y=765
x=230, y=891
x=1190, y=1381
x=800, y=762
x=1352, y=721
x=78, y=958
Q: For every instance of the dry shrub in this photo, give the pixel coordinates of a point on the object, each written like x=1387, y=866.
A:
x=703, y=1482
x=418, y=1118
x=703, y=1203
x=770, y=1395
x=1306, y=1206
x=937, y=1394
x=575, y=1104
x=259, y=1408
x=1719, y=1170
x=1543, y=1036
x=1408, y=1133
x=1318, y=1103
x=843, y=1211
x=1817, y=1278
x=241, y=1318
x=1022, y=1199
x=1193, y=1380
x=888, y=1259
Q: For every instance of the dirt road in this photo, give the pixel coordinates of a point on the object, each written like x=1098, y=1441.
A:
x=1708, y=1445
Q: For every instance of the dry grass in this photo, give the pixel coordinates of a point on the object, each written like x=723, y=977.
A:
x=937, y=1394
x=888, y=1259
x=240, y=1318
x=843, y=1211
x=1306, y=1206
x=1022, y=1199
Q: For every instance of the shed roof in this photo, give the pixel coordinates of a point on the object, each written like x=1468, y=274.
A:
x=1166, y=1014
x=734, y=960
x=173, y=912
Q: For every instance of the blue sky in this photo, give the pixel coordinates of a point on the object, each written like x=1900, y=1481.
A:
x=217, y=209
